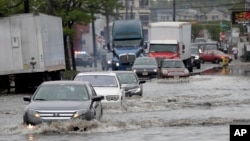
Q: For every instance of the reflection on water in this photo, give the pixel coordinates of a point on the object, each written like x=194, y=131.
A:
x=242, y=71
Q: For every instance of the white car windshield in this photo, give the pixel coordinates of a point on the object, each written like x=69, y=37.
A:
x=99, y=80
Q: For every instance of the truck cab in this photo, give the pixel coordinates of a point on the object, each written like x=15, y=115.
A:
x=127, y=43
x=170, y=40
x=163, y=49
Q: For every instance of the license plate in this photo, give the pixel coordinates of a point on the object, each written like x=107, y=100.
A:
x=176, y=77
x=145, y=73
x=128, y=69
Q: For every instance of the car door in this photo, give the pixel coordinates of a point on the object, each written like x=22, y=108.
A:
x=212, y=56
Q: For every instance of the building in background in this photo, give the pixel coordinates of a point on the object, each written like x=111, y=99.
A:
x=163, y=10
x=83, y=40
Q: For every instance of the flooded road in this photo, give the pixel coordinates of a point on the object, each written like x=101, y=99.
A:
x=198, y=108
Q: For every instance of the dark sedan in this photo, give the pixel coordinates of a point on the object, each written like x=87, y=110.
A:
x=130, y=82
x=84, y=59
x=62, y=100
x=145, y=67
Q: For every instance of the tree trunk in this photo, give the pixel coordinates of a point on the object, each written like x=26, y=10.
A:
x=26, y=6
x=66, y=53
x=72, y=51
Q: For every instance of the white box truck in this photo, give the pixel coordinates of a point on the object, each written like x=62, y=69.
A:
x=31, y=50
x=170, y=40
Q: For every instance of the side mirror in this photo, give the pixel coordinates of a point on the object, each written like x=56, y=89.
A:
x=98, y=98
x=109, y=47
x=27, y=98
x=183, y=48
x=142, y=81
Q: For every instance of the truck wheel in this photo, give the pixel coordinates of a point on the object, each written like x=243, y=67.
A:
x=202, y=61
x=217, y=61
x=190, y=69
x=198, y=66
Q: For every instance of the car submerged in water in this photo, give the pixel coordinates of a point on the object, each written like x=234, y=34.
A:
x=145, y=67
x=172, y=68
x=62, y=100
x=106, y=84
x=130, y=82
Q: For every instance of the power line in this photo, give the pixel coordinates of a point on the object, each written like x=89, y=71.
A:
x=198, y=1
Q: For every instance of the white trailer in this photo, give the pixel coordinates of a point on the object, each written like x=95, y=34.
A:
x=31, y=49
x=176, y=34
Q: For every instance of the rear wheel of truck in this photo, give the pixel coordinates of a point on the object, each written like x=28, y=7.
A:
x=198, y=66
x=202, y=61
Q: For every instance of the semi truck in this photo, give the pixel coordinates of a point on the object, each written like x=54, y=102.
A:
x=31, y=51
x=170, y=40
x=127, y=43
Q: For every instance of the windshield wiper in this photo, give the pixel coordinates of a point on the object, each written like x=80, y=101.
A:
x=40, y=99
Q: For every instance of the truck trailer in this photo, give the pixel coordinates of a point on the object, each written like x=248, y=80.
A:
x=170, y=40
x=32, y=50
x=127, y=43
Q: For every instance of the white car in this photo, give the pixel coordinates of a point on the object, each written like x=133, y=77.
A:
x=106, y=84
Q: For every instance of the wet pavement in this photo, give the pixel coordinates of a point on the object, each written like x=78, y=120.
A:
x=201, y=107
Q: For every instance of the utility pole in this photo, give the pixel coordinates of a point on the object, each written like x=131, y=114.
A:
x=94, y=38
x=174, y=10
x=126, y=6
x=131, y=9
x=247, y=5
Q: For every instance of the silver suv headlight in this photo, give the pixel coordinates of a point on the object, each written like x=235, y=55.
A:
x=79, y=113
x=136, y=90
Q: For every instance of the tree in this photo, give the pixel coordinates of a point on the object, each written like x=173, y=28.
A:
x=214, y=31
x=196, y=28
x=71, y=12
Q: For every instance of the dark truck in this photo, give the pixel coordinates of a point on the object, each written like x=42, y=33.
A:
x=127, y=43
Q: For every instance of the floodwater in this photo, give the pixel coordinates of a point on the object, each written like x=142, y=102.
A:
x=201, y=107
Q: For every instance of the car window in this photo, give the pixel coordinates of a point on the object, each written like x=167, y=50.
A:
x=127, y=78
x=62, y=92
x=99, y=80
x=82, y=56
x=211, y=47
x=219, y=52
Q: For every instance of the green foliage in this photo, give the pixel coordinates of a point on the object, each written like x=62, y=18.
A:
x=196, y=28
x=214, y=31
x=69, y=74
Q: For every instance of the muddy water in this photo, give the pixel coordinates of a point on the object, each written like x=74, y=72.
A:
x=199, y=108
